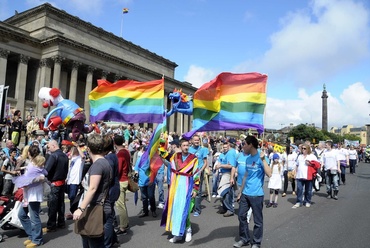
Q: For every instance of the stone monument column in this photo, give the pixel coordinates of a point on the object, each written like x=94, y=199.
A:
x=3, y=63
x=324, y=109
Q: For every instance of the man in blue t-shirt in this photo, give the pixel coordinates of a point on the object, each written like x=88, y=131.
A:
x=252, y=194
x=227, y=160
x=201, y=153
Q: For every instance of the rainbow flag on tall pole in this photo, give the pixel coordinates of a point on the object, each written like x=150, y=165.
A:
x=128, y=101
x=125, y=11
x=230, y=102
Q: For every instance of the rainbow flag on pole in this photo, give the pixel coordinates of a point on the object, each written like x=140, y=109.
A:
x=128, y=101
x=151, y=153
x=230, y=102
x=124, y=10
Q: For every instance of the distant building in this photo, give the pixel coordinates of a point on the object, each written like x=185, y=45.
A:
x=361, y=132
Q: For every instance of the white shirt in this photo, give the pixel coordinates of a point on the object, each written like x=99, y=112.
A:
x=292, y=161
x=352, y=154
x=330, y=160
x=75, y=171
x=342, y=154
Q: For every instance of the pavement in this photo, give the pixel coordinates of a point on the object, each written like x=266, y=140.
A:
x=327, y=223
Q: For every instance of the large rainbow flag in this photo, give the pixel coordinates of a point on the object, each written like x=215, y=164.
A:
x=230, y=102
x=127, y=101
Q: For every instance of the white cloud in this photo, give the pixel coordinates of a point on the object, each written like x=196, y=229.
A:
x=350, y=108
x=311, y=47
x=198, y=75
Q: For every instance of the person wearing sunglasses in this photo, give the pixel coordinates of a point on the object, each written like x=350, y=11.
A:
x=304, y=176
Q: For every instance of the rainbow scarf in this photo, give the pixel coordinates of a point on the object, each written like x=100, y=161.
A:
x=230, y=102
x=127, y=101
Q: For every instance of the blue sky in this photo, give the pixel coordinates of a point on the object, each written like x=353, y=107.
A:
x=300, y=45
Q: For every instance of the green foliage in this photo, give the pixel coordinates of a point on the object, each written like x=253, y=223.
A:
x=303, y=132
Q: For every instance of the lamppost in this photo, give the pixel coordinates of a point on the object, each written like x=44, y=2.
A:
x=30, y=110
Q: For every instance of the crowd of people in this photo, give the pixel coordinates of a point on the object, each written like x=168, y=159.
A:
x=99, y=166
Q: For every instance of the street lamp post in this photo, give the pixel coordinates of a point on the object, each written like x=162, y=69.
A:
x=30, y=110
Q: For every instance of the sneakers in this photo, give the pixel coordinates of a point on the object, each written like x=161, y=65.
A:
x=31, y=245
x=269, y=205
x=47, y=230
x=28, y=241
x=329, y=196
x=293, y=193
x=308, y=205
x=274, y=205
x=196, y=214
x=297, y=205
x=175, y=239
x=228, y=213
x=283, y=195
x=214, y=196
x=154, y=214
x=240, y=243
x=160, y=206
x=218, y=197
x=335, y=197
x=221, y=211
x=188, y=235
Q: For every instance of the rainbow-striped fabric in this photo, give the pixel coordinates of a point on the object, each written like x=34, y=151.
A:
x=230, y=102
x=127, y=101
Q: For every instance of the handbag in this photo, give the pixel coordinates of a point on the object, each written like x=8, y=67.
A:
x=132, y=185
x=91, y=222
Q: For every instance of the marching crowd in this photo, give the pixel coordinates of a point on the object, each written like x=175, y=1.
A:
x=100, y=168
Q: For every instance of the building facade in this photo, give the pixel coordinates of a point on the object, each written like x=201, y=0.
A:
x=361, y=132
x=47, y=47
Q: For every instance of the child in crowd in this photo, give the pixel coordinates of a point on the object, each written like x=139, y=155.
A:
x=275, y=181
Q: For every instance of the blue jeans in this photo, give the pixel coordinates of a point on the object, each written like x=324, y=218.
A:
x=307, y=184
x=32, y=224
x=256, y=203
x=352, y=166
x=331, y=182
x=72, y=191
x=56, y=207
x=147, y=197
x=198, y=198
x=159, y=180
x=215, y=181
x=228, y=200
x=110, y=237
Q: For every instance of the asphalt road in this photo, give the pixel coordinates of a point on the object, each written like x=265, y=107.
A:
x=328, y=223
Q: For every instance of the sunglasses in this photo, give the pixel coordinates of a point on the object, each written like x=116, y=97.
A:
x=304, y=148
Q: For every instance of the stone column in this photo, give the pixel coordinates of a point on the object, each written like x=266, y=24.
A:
x=104, y=74
x=88, y=88
x=3, y=63
x=324, y=109
x=20, y=85
x=73, y=84
x=44, y=81
x=186, y=124
x=57, y=69
x=117, y=77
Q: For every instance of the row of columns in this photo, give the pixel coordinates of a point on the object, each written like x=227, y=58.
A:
x=43, y=78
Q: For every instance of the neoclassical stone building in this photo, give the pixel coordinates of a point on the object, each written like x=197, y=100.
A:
x=45, y=46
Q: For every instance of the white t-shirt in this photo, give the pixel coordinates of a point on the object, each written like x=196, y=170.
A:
x=342, y=154
x=352, y=154
x=330, y=160
x=75, y=171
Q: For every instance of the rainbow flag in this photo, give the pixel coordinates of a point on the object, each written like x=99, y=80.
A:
x=127, y=101
x=151, y=153
x=124, y=10
x=230, y=102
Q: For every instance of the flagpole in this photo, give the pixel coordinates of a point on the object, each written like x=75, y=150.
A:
x=264, y=116
x=121, y=24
